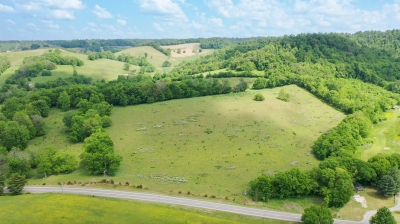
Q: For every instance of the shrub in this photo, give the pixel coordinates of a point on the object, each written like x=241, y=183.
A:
x=283, y=96
x=259, y=97
x=46, y=72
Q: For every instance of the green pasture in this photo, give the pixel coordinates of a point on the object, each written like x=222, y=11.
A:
x=355, y=211
x=16, y=59
x=99, y=69
x=216, y=143
x=64, y=208
x=385, y=137
x=154, y=57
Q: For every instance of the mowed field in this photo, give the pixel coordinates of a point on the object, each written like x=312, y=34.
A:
x=208, y=145
x=64, y=208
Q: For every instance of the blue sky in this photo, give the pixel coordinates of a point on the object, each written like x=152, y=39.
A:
x=111, y=19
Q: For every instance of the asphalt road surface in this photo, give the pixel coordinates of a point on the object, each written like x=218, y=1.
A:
x=178, y=201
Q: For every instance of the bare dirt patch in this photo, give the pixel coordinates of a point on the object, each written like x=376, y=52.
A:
x=361, y=200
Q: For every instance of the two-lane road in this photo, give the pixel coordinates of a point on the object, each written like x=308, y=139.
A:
x=178, y=201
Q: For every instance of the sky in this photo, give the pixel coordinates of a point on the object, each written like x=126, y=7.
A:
x=156, y=19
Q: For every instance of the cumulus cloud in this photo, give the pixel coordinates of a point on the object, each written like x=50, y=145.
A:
x=165, y=9
x=306, y=15
x=121, y=21
x=158, y=27
x=64, y=4
x=102, y=13
x=6, y=8
x=61, y=14
x=49, y=9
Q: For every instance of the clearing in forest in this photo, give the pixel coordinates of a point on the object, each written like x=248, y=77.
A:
x=207, y=145
x=187, y=50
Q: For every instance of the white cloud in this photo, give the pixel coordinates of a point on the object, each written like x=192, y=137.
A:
x=158, y=27
x=49, y=9
x=32, y=26
x=121, y=21
x=64, y=4
x=216, y=21
x=10, y=21
x=102, y=13
x=50, y=24
x=61, y=14
x=163, y=9
x=297, y=16
x=91, y=24
x=6, y=8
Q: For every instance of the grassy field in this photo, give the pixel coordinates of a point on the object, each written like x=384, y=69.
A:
x=155, y=57
x=99, y=69
x=354, y=211
x=187, y=50
x=16, y=59
x=63, y=208
x=385, y=137
x=216, y=143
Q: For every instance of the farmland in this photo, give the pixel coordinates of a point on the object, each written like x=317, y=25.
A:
x=216, y=143
x=51, y=208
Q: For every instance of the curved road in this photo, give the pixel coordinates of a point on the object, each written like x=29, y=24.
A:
x=178, y=201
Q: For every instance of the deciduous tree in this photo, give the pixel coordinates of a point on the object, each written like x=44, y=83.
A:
x=317, y=215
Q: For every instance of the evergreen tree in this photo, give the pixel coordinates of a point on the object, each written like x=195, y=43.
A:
x=16, y=183
x=383, y=216
x=387, y=186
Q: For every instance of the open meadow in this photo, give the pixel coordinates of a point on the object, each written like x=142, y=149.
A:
x=187, y=50
x=207, y=145
x=64, y=208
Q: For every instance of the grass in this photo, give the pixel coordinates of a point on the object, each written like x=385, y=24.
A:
x=155, y=57
x=385, y=138
x=16, y=59
x=64, y=208
x=99, y=69
x=354, y=211
x=218, y=143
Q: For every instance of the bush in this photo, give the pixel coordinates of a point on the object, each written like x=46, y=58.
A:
x=46, y=72
x=283, y=96
x=259, y=97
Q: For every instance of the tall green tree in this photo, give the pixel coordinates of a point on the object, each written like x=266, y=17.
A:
x=387, y=186
x=336, y=186
x=317, y=215
x=383, y=216
x=64, y=162
x=261, y=189
x=15, y=135
x=24, y=120
x=16, y=183
x=45, y=164
x=64, y=101
x=99, y=154
x=18, y=162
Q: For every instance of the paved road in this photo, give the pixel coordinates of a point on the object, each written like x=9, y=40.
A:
x=178, y=201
